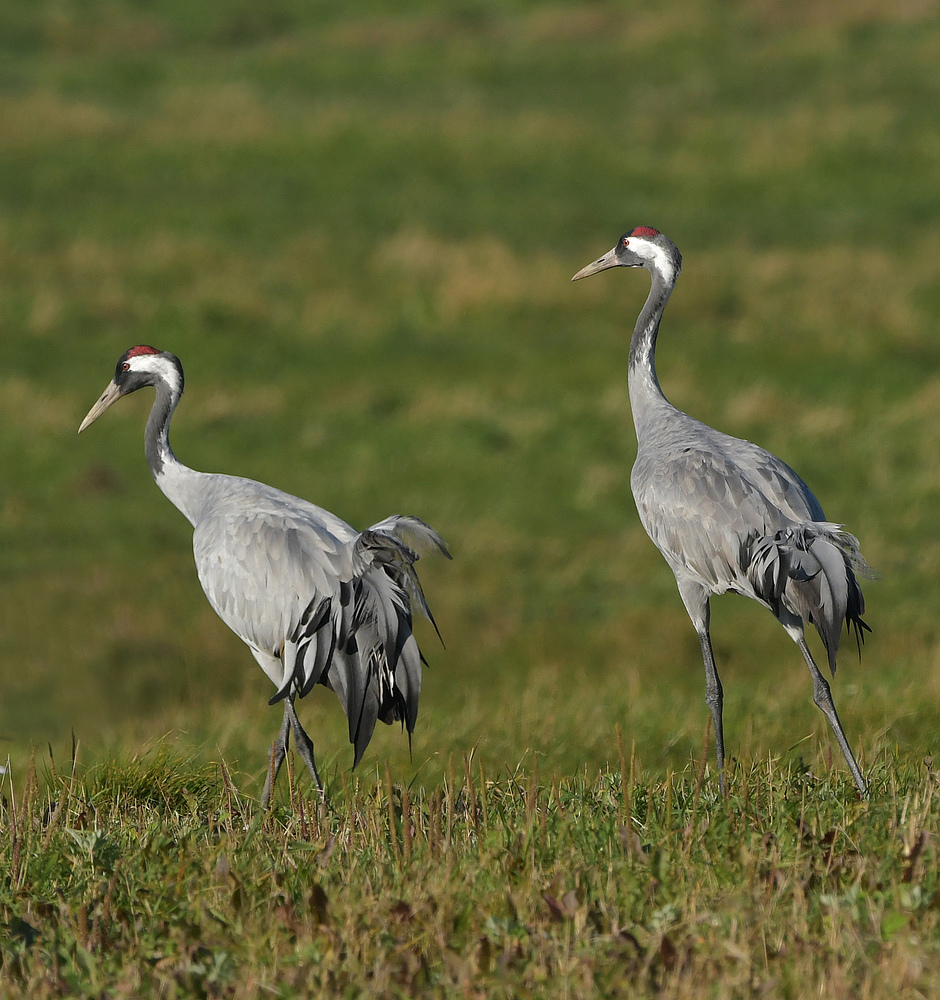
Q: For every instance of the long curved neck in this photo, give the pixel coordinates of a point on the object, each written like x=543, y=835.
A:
x=177, y=481
x=157, y=434
x=646, y=396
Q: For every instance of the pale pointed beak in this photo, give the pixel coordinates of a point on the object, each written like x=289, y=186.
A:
x=110, y=394
x=608, y=260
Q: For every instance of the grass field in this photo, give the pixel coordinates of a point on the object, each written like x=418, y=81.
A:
x=156, y=878
x=356, y=228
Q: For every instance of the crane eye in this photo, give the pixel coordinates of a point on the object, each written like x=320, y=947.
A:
x=126, y=366
x=626, y=242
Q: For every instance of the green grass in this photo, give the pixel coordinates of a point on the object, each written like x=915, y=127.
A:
x=356, y=227
x=154, y=877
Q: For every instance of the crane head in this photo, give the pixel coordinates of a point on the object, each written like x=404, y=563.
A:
x=137, y=367
x=641, y=247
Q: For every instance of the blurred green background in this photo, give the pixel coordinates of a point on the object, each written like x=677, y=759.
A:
x=356, y=224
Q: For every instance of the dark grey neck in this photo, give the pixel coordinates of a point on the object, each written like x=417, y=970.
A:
x=643, y=343
x=157, y=434
x=645, y=391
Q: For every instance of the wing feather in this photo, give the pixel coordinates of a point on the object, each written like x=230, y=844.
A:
x=318, y=602
x=728, y=515
x=698, y=502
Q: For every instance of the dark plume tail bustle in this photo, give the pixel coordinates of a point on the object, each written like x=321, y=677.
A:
x=810, y=570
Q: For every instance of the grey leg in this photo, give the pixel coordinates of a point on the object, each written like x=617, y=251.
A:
x=278, y=753
x=822, y=696
x=695, y=598
x=304, y=743
x=714, y=698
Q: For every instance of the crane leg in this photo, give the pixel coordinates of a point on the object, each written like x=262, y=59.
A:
x=714, y=698
x=304, y=744
x=822, y=696
x=278, y=753
x=695, y=599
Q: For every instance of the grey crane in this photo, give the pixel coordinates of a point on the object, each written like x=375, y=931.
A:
x=313, y=599
x=726, y=514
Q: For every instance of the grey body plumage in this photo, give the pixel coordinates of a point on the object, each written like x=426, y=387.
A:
x=728, y=515
x=315, y=601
